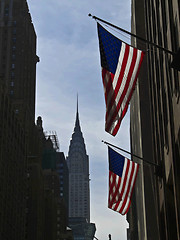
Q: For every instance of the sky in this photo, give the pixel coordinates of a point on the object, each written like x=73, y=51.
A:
x=68, y=48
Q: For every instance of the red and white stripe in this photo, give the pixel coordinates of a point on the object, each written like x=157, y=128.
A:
x=118, y=87
x=121, y=188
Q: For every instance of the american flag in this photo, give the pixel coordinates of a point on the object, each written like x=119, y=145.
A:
x=122, y=177
x=120, y=66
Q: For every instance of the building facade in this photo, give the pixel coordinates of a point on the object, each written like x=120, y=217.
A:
x=155, y=123
x=78, y=165
x=55, y=175
x=17, y=99
x=18, y=56
x=63, y=172
x=13, y=165
x=82, y=229
x=52, y=205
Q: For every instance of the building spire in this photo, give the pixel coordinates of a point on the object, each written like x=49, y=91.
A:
x=77, y=102
x=77, y=112
x=77, y=124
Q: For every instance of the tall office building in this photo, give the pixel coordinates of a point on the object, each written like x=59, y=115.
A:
x=78, y=164
x=17, y=80
x=18, y=56
x=18, y=77
x=155, y=123
x=12, y=172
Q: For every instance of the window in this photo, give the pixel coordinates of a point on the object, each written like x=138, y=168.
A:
x=13, y=65
x=6, y=11
x=12, y=84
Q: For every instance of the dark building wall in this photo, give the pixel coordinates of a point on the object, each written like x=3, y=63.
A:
x=35, y=203
x=51, y=225
x=17, y=75
x=63, y=173
x=35, y=185
x=52, y=203
x=18, y=59
x=56, y=178
x=13, y=164
x=49, y=155
x=155, y=118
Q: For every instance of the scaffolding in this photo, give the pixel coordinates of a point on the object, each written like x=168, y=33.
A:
x=53, y=136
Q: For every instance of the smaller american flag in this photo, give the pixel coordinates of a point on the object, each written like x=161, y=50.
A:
x=120, y=66
x=122, y=177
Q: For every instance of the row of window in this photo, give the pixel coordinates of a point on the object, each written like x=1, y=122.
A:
x=13, y=59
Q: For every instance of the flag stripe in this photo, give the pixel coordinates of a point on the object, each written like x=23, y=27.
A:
x=112, y=184
x=118, y=77
x=124, y=105
x=124, y=191
x=127, y=87
x=134, y=174
x=116, y=196
x=129, y=98
x=128, y=184
x=107, y=83
x=126, y=208
x=122, y=91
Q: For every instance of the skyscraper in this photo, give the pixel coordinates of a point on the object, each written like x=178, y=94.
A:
x=18, y=56
x=12, y=172
x=78, y=164
x=24, y=212
x=155, y=123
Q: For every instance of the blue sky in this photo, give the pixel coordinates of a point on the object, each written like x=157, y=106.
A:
x=67, y=44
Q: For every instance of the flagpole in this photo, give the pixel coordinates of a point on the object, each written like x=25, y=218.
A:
x=132, y=34
x=134, y=155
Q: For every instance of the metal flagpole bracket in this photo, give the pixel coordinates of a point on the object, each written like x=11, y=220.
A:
x=175, y=63
x=132, y=34
x=158, y=167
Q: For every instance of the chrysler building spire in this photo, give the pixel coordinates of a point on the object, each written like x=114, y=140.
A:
x=77, y=124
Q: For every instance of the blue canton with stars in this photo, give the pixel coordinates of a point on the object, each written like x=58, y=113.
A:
x=110, y=48
x=116, y=162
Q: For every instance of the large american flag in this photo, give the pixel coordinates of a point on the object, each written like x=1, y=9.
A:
x=120, y=66
x=122, y=177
